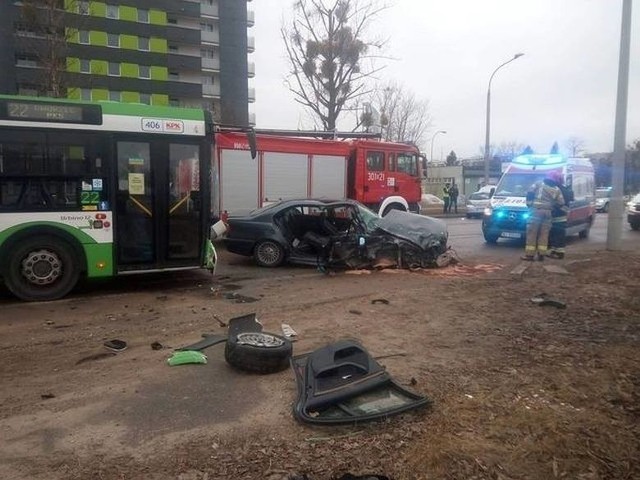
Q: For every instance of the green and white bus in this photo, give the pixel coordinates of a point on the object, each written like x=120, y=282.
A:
x=100, y=189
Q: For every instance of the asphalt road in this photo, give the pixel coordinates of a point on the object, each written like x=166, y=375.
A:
x=465, y=237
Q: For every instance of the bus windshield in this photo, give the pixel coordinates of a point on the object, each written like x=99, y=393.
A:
x=517, y=184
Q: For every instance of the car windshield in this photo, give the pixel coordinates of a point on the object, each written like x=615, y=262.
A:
x=603, y=193
x=369, y=218
x=479, y=196
x=517, y=184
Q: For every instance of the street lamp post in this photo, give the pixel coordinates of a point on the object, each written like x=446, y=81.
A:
x=488, y=125
x=432, y=139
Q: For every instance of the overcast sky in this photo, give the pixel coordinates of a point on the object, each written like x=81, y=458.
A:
x=445, y=50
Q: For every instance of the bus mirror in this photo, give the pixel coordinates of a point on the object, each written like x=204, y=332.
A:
x=251, y=136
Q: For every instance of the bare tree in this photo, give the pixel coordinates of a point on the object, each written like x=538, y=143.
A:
x=508, y=150
x=49, y=33
x=403, y=116
x=574, y=145
x=327, y=46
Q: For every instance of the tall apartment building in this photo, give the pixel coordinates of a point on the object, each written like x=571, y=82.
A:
x=159, y=52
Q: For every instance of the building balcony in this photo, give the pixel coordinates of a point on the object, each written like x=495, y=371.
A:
x=251, y=69
x=210, y=37
x=209, y=10
x=251, y=44
x=251, y=18
x=211, y=90
x=252, y=95
x=210, y=64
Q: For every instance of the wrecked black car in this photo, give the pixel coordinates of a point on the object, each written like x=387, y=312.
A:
x=336, y=234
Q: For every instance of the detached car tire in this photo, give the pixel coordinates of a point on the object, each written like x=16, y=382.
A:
x=258, y=352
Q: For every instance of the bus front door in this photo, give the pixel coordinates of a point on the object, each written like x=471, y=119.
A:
x=158, y=221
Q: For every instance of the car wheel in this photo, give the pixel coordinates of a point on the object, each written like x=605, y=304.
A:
x=269, y=253
x=635, y=225
x=605, y=209
x=258, y=352
x=41, y=269
x=490, y=237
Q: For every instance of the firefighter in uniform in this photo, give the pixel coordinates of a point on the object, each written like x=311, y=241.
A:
x=558, y=232
x=542, y=197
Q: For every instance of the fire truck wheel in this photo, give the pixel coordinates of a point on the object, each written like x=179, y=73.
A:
x=41, y=269
x=393, y=206
x=269, y=253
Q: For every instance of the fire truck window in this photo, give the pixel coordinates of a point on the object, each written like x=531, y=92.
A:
x=375, y=161
x=392, y=162
x=408, y=163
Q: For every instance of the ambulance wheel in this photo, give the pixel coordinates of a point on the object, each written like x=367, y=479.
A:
x=41, y=269
x=491, y=238
x=269, y=253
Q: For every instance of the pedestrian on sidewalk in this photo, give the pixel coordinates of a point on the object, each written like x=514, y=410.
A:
x=558, y=232
x=445, y=197
x=453, y=194
x=542, y=198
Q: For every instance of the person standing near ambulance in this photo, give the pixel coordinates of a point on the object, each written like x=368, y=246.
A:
x=558, y=232
x=542, y=198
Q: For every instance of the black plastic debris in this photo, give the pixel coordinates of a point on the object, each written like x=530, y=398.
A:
x=544, y=300
x=382, y=301
x=115, y=345
x=206, y=342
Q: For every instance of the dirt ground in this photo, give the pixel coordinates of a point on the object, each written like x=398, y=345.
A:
x=520, y=391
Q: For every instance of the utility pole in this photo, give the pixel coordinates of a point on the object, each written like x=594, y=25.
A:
x=616, y=207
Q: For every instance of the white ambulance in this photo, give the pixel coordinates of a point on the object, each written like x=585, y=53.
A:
x=507, y=214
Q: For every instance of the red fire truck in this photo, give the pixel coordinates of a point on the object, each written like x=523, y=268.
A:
x=382, y=175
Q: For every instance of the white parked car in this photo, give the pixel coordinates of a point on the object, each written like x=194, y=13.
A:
x=428, y=199
x=476, y=203
x=633, y=212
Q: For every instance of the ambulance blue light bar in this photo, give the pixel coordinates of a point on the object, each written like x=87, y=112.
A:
x=533, y=159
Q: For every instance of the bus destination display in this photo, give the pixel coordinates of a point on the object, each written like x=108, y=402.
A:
x=51, y=112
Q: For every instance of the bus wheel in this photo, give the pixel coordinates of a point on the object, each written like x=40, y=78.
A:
x=42, y=268
x=393, y=206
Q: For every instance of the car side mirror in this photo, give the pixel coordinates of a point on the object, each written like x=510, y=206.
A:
x=491, y=192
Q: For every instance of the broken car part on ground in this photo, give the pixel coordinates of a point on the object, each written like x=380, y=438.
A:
x=341, y=383
x=336, y=235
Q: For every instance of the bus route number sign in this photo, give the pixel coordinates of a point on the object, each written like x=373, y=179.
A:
x=162, y=125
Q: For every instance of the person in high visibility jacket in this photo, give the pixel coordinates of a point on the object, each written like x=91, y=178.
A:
x=542, y=198
x=558, y=232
